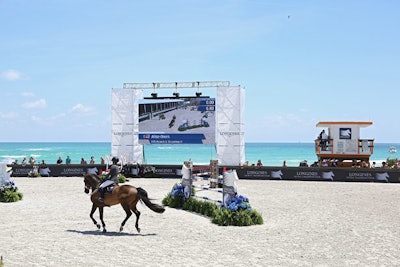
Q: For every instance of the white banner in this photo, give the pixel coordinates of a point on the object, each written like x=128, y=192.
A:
x=125, y=125
x=230, y=125
x=4, y=175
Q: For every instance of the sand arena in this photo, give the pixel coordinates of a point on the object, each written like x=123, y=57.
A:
x=305, y=224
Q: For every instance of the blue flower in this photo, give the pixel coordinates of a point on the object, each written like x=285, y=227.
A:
x=238, y=202
x=177, y=190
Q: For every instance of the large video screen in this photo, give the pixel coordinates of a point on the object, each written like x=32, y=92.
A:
x=178, y=120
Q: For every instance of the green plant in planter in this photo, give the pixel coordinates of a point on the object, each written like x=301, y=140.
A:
x=391, y=162
x=9, y=192
x=33, y=174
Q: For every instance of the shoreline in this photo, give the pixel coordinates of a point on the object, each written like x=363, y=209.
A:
x=305, y=223
x=270, y=153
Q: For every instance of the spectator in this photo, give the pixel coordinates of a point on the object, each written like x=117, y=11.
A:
x=259, y=163
x=68, y=160
x=364, y=164
x=303, y=163
x=32, y=160
x=59, y=161
x=323, y=139
x=334, y=163
x=91, y=160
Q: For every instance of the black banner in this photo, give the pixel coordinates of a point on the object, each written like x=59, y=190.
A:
x=252, y=173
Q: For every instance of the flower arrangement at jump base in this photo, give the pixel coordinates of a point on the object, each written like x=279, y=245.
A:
x=237, y=211
x=34, y=172
x=9, y=192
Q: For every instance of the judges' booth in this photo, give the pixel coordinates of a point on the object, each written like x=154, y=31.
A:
x=344, y=143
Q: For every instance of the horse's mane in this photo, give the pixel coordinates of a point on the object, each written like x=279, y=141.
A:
x=94, y=176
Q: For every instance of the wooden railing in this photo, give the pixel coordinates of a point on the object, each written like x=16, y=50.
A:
x=324, y=146
x=364, y=147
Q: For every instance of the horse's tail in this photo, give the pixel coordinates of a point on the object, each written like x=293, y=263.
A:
x=142, y=194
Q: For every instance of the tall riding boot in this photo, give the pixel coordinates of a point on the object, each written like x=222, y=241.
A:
x=101, y=197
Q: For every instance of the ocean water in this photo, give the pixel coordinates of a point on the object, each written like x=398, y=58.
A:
x=271, y=154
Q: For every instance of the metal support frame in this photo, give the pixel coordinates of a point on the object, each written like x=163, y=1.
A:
x=176, y=85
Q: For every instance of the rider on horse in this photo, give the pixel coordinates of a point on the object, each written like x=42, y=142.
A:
x=113, y=173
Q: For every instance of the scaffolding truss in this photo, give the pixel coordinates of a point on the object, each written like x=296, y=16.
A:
x=176, y=85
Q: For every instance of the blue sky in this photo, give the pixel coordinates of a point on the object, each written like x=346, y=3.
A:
x=300, y=61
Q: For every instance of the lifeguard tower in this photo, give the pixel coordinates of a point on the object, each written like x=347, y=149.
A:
x=343, y=143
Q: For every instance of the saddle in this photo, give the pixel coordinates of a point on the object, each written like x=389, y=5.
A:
x=107, y=187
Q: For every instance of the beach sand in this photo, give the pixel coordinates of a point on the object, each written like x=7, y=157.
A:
x=305, y=224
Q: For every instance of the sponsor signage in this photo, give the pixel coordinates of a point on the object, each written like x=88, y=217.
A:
x=54, y=170
x=252, y=173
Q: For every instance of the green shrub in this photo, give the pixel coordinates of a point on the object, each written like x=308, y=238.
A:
x=221, y=216
x=173, y=202
x=243, y=217
x=10, y=195
x=121, y=178
x=391, y=162
x=9, y=192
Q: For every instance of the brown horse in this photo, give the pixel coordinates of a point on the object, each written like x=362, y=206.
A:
x=126, y=195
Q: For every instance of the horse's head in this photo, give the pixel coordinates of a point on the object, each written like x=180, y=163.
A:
x=91, y=181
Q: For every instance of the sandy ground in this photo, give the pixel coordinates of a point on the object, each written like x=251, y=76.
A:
x=306, y=224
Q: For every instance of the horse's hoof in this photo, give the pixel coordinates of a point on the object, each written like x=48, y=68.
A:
x=104, y=231
x=138, y=229
x=121, y=228
x=98, y=226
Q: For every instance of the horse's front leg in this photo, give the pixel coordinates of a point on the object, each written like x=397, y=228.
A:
x=101, y=209
x=94, y=207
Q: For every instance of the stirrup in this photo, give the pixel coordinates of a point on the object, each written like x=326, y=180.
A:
x=100, y=199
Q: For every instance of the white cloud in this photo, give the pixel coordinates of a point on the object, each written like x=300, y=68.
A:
x=11, y=75
x=82, y=109
x=27, y=94
x=58, y=116
x=8, y=115
x=41, y=103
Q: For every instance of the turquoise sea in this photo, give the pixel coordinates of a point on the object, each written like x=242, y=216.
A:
x=271, y=154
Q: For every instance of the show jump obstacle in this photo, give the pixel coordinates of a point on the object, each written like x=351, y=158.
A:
x=229, y=115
